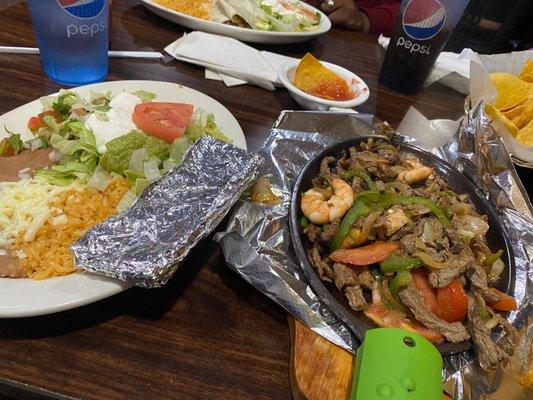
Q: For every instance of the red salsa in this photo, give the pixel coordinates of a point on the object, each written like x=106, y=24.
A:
x=337, y=90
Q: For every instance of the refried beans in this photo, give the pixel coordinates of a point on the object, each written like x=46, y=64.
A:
x=9, y=172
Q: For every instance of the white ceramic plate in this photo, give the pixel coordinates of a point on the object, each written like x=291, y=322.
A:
x=244, y=34
x=26, y=297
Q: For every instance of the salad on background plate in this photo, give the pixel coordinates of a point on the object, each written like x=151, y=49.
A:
x=264, y=15
x=257, y=21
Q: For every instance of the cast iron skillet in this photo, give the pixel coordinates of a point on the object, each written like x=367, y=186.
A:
x=497, y=237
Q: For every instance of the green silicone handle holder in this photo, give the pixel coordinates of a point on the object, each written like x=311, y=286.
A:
x=394, y=364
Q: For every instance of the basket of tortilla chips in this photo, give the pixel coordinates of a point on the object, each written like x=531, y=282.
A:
x=512, y=111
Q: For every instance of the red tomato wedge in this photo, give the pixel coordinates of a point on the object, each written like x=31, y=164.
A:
x=449, y=303
x=365, y=255
x=504, y=303
x=167, y=121
x=35, y=123
x=452, y=302
x=395, y=319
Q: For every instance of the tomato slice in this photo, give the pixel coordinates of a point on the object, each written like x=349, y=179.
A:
x=427, y=292
x=166, y=121
x=35, y=123
x=365, y=255
x=395, y=319
x=452, y=302
x=504, y=303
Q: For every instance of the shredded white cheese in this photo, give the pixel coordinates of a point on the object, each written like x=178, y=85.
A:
x=24, y=207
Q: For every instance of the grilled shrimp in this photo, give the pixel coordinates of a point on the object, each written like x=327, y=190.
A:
x=322, y=210
x=417, y=173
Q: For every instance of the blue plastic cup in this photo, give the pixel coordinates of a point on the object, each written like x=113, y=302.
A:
x=73, y=39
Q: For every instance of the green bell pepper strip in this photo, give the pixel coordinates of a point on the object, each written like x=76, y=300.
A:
x=358, y=210
x=348, y=175
x=402, y=278
x=389, y=301
x=304, y=222
x=395, y=263
x=370, y=201
x=492, y=258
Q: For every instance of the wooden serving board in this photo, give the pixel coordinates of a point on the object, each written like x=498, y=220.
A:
x=320, y=370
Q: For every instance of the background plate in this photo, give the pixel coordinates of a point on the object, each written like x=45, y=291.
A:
x=244, y=34
x=26, y=297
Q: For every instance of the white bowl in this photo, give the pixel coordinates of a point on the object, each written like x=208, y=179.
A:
x=286, y=76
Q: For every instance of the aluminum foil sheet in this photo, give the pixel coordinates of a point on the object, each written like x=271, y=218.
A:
x=257, y=245
x=144, y=245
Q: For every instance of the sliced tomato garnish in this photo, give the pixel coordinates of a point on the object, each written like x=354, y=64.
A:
x=452, y=302
x=395, y=319
x=35, y=123
x=166, y=121
x=365, y=255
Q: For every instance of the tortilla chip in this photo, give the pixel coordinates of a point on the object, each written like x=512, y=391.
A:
x=527, y=72
x=525, y=135
x=511, y=90
x=495, y=114
x=314, y=78
x=522, y=119
x=515, y=111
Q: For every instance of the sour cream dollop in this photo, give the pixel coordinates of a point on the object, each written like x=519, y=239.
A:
x=116, y=122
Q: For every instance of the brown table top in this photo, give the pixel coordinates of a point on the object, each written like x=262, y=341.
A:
x=207, y=333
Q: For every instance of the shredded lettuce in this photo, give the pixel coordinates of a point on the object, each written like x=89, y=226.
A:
x=127, y=201
x=63, y=104
x=100, y=102
x=203, y=124
x=178, y=149
x=138, y=157
x=78, y=145
x=151, y=170
x=55, y=177
x=145, y=96
x=100, y=179
x=289, y=16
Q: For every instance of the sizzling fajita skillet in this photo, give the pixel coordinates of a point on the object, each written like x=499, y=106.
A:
x=496, y=236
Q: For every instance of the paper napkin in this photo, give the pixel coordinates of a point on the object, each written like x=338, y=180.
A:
x=228, y=59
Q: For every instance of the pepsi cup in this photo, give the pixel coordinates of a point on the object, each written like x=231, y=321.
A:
x=73, y=39
x=421, y=31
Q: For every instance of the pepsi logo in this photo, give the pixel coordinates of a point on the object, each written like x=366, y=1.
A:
x=82, y=8
x=423, y=19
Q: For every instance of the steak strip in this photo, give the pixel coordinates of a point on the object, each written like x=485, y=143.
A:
x=322, y=268
x=458, y=266
x=344, y=276
x=489, y=353
x=327, y=236
x=454, y=332
x=478, y=281
x=355, y=297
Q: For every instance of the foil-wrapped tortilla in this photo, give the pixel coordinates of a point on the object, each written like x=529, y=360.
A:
x=257, y=242
x=144, y=245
